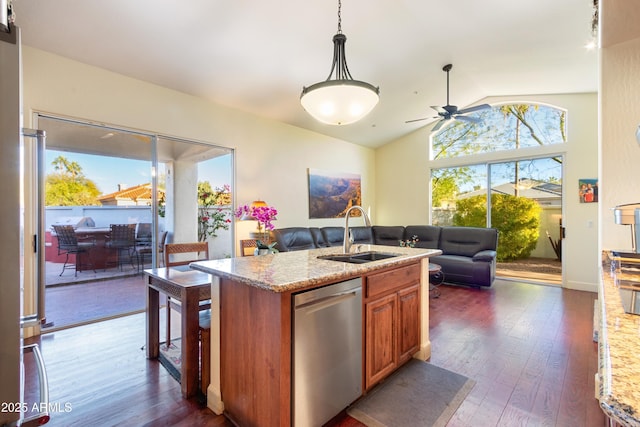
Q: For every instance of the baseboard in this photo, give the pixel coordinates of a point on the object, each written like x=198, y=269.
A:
x=581, y=286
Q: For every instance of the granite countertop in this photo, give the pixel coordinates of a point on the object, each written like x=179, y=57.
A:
x=618, y=347
x=289, y=271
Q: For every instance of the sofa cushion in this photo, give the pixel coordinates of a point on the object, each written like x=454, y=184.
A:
x=318, y=237
x=463, y=270
x=428, y=235
x=387, y=235
x=486, y=255
x=361, y=235
x=467, y=241
x=294, y=239
x=333, y=236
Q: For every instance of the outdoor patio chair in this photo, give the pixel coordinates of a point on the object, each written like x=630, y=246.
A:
x=68, y=244
x=144, y=233
x=122, y=239
x=145, y=250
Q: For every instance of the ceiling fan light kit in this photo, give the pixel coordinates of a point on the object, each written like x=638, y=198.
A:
x=449, y=112
x=341, y=100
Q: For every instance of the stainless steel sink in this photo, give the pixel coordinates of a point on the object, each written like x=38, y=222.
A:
x=359, y=258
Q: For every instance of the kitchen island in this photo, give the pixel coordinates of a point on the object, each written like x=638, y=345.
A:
x=618, y=344
x=251, y=335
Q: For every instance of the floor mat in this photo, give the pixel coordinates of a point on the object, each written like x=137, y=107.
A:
x=171, y=357
x=418, y=394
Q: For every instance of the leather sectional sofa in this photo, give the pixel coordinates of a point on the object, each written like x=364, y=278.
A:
x=468, y=253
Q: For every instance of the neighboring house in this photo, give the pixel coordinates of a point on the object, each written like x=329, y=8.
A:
x=545, y=193
x=140, y=195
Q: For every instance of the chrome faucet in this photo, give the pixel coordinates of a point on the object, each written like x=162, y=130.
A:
x=348, y=238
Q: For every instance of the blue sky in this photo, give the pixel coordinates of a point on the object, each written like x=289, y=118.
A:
x=108, y=172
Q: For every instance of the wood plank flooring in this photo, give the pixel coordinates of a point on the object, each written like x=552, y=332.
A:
x=528, y=347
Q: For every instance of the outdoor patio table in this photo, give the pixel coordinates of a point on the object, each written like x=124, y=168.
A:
x=100, y=255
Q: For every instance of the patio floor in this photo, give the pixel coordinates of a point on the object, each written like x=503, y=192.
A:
x=89, y=296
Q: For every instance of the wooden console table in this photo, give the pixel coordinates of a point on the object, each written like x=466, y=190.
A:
x=189, y=287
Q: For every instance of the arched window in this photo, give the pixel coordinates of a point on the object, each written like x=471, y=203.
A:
x=503, y=127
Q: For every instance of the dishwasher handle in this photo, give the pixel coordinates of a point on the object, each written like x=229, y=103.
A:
x=319, y=304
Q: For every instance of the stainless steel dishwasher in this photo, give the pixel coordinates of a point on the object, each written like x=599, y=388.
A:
x=327, y=351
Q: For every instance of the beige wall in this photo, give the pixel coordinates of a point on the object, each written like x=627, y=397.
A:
x=271, y=157
x=620, y=152
x=402, y=171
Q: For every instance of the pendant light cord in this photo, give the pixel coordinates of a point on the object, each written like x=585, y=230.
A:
x=339, y=17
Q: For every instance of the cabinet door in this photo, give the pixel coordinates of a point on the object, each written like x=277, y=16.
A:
x=381, y=338
x=408, y=322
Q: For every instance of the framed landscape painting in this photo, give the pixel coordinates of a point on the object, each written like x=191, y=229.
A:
x=332, y=193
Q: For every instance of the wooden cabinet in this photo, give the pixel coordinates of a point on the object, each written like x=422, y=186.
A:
x=408, y=322
x=392, y=321
x=255, y=342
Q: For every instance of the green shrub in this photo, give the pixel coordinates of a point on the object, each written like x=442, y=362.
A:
x=516, y=218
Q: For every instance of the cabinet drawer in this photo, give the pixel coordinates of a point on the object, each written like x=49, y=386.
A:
x=388, y=281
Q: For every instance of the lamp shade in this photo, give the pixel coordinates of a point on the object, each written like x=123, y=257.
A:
x=339, y=102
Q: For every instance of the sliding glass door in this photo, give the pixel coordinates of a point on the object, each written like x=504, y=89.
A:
x=98, y=176
x=521, y=198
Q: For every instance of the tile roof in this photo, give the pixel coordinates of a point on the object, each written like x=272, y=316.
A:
x=140, y=192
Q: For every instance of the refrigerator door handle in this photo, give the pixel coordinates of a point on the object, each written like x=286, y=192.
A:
x=41, y=417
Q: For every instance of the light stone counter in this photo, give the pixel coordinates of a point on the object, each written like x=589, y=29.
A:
x=289, y=271
x=618, y=349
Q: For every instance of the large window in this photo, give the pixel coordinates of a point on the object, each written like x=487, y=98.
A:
x=513, y=182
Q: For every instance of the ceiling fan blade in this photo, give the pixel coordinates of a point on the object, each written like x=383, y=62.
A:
x=474, y=108
x=438, y=125
x=467, y=119
x=416, y=120
x=439, y=109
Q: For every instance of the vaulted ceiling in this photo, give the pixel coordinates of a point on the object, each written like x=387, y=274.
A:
x=257, y=55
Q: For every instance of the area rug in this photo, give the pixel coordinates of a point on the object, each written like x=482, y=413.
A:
x=171, y=357
x=418, y=394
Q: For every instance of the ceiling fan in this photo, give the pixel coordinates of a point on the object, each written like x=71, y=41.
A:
x=449, y=112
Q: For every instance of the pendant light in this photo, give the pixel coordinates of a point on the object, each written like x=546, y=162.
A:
x=342, y=100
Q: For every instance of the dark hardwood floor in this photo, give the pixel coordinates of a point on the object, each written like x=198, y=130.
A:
x=528, y=347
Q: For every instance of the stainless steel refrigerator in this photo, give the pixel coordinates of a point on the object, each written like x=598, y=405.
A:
x=14, y=410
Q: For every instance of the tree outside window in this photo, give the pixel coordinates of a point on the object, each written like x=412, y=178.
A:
x=68, y=186
x=213, y=210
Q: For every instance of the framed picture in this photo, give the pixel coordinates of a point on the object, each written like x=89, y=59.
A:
x=332, y=193
x=588, y=190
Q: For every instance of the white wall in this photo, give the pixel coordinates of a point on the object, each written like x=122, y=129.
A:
x=271, y=157
x=620, y=153
x=402, y=174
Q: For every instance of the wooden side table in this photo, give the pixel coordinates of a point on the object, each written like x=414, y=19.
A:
x=189, y=287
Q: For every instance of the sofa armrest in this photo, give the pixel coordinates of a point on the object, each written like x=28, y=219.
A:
x=486, y=255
